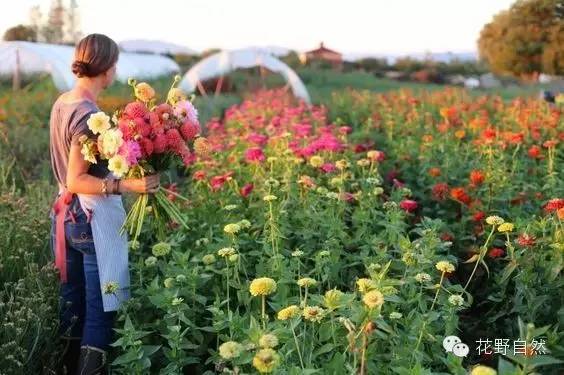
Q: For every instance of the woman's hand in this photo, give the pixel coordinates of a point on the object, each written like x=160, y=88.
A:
x=147, y=184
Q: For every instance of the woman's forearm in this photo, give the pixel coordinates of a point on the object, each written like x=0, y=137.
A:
x=88, y=184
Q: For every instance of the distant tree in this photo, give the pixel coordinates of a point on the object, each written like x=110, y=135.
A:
x=20, y=32
x=408, y=65
x=35, y=23
x=72, y=31
x=292, y=59
x=373, y=65
x=525, y=40
x=53, y=31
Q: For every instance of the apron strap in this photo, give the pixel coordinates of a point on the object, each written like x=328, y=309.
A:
x=60, y=209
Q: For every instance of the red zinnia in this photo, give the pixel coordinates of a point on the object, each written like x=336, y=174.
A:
x=440, y=191
x=496, y=252
x=535, y=152
x=246, y=190
x=554, y=205
x=199, y=175
x=479, y=216
x=460, y=195
x=526, y=240
x=476, y=177
x=408, y=205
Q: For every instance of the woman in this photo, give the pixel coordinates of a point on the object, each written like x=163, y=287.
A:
x=87, y=215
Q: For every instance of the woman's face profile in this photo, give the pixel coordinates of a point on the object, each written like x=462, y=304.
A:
x=110, y=75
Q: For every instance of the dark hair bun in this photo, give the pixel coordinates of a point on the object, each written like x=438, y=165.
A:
x=80, y=69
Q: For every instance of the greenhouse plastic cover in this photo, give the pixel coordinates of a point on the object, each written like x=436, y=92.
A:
x=57, y=60
x=223, y=62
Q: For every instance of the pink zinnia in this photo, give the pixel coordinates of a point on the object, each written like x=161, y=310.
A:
x=408, y=205
x=257, y=139
x=185, y=110
x=328, y=167
x=246, y=190
x=345, y=130
x=254, y=155
x=199, y=175
x=131, y=151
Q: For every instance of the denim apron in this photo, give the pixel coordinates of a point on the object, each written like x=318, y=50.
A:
x=105, y=216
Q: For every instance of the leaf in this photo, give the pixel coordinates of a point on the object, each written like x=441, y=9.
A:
x=472, y=259
x=324, y=349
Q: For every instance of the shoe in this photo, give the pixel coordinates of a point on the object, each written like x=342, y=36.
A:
x=92, y=361
x=70, y=354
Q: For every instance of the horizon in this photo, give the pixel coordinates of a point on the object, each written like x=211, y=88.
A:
x=228, y=25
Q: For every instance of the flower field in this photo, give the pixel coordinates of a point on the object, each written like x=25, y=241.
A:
x=350, y=237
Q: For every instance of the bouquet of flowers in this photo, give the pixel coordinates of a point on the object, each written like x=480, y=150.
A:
x=146, y=138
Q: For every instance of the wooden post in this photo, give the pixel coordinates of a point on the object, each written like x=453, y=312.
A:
x=218, y=85
x=202, y=89
x=16, y=82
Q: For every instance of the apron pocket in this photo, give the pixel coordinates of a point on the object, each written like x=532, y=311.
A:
x=79, y=237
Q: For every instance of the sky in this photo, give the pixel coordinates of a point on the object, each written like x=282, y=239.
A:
x=369, y=27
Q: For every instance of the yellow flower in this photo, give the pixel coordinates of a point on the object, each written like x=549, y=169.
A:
x=494, y=220
x=289, y=312
x=341, y=164
x=118, y=166
x=230, y=349
x=333, y=299
x=262, y=286
x=268, y=341
x=144, y=92
x=444, y=266
x=456, y=300
x=316, y=161
x=232, y=228
x=98, y=122
x=226, y=252
x=266, y=360
x=363, y=162
x=506, y=227
x=111, y=287
x=483, y=370
x=364, y=285
x=306, y=282
x=373, y=299
x=313, y=313
x=270, y=198
x=88, y=150
x=175, y=95
x=208, y=259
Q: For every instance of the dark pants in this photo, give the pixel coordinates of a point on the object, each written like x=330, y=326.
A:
x=81, y=312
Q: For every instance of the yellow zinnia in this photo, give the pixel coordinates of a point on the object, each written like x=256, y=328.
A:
x=266, y=360
x=289, y=312
x=483, y=370
x=262, y=286
x=364, y=285
x=313, y=313
x=444, y=266
x=494, y=220
x=316, y=161
x=505, y=227
x=373, y=299
x=306, y=282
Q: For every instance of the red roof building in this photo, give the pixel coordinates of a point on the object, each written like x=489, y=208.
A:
x=324, y=54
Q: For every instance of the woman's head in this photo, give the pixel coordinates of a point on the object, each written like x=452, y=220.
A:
x=95, y=56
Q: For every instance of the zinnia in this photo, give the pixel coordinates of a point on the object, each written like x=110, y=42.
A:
x=266, y=360
x=254, y=155
x=313, y=313
x=289, y=312
x=262, y=286
x=408, y=205
x=444, y=266
x=373, y=299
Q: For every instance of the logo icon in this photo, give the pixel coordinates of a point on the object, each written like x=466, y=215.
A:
x=454, y=345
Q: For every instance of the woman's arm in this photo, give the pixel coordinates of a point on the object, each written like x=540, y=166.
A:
x=79, y=181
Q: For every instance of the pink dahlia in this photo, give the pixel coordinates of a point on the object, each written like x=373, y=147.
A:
x=190, y=130
x=135, y=109
x=146, y=146
x=186, y=111
x=173, y=139
x=131, y=151
x=160, y=143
